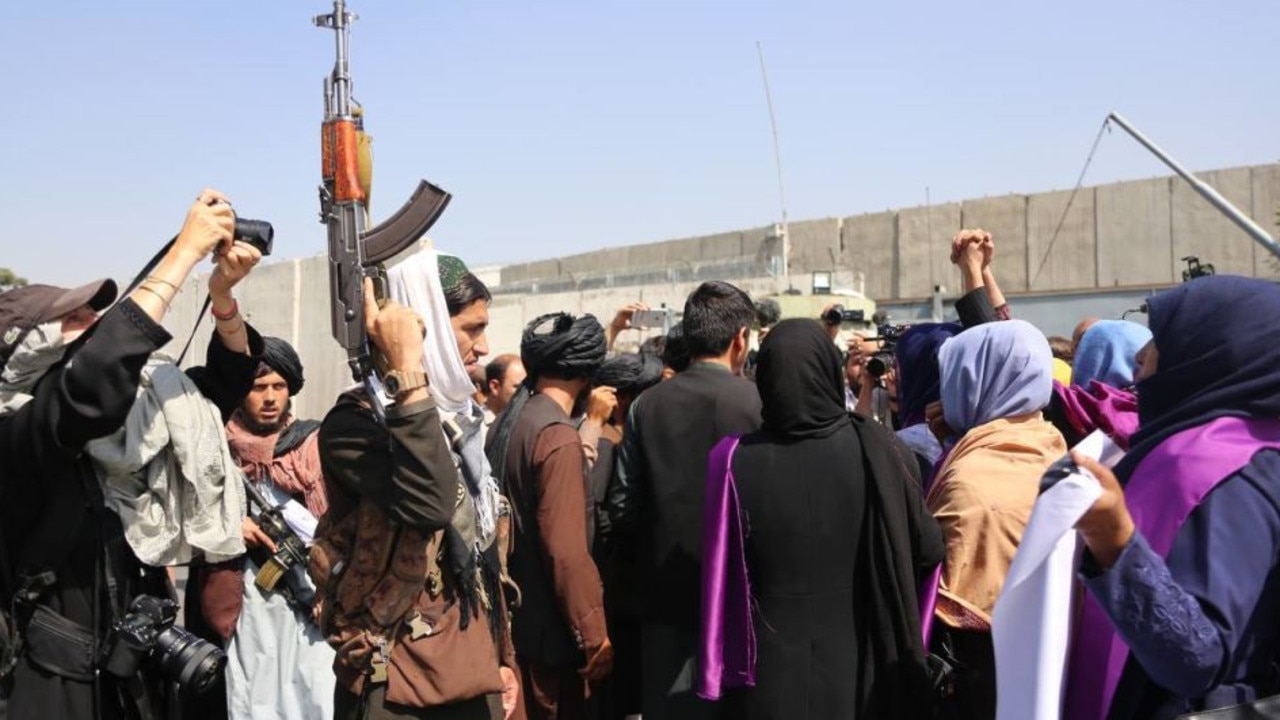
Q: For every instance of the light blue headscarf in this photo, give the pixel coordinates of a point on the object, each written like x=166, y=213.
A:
x=993, y=371
x=1106, y=353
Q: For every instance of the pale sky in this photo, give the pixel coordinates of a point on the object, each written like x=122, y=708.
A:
x=563, y=127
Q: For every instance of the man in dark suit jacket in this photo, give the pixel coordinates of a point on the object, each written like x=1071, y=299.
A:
x=656, y=499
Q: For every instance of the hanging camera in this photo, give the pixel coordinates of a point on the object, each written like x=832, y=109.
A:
x=147, y=630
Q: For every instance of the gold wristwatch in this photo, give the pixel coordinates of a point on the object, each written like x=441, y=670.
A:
x=399, y=382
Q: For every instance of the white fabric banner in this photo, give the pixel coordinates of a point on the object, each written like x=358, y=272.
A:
x=1031, y=623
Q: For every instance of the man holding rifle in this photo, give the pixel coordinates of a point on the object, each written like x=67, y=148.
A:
x=275, y=650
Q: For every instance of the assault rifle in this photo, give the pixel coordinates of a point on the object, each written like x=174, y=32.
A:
x=355, y=251
x=289, y=562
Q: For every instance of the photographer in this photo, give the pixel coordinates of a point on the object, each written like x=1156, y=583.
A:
x=871, y=394
x=69, y=377
x=876, y=393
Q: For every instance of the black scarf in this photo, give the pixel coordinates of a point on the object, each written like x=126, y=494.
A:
x=902, y=543
x=799, y=378
x=294, y=434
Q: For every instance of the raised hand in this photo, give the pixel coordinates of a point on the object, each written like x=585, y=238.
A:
x=210, y=225
x=395, y=330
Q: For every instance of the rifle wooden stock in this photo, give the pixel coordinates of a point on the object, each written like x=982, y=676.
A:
x=340, y=160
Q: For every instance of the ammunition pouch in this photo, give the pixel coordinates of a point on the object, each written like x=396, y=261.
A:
x=19, y=611
x=60, y=646
x=385, y=607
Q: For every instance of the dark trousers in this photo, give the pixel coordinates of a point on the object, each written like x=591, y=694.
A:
x=972, y=654
x=551, y=692
x=669, y=669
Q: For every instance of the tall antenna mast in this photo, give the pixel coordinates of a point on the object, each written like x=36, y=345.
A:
x=777, y=160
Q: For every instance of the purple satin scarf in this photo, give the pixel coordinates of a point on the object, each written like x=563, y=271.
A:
x=1164, y=489
x=928, y=597
x=929, y=603
x=1100, y=407
x=727, y=633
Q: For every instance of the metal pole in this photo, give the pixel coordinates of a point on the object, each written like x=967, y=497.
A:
x=1206, y=191
x=777, y=159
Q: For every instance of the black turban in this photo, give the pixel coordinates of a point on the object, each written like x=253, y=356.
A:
x=558, y=345
x=675, y=354
x=630, y=374
x=768, y=313
x=281, y=358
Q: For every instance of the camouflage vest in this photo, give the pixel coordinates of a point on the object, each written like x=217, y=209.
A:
x=393, y=617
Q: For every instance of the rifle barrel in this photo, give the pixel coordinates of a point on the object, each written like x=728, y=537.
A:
x=256, y=495
x=338, y=86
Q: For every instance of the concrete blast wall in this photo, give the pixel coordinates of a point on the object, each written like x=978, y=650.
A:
x=1122, y=237
x=1119, y=235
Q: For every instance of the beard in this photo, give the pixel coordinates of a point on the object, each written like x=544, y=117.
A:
x=580, y=403
x=264, y=429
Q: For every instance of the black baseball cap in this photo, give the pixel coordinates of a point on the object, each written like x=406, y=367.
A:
x=22, y=309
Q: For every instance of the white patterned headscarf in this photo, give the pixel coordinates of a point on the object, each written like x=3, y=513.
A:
x=416, y=283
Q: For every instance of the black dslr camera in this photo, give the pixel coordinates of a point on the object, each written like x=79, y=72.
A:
x=837, y=315
x=147, y=630
x=257, y=233
x=882, y=361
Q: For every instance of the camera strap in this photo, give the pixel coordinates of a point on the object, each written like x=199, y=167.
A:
x=7, y=584
x=146, y=270
x=10, y=637
x=142, y=696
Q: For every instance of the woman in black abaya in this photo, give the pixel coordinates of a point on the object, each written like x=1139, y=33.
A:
x=835, y=537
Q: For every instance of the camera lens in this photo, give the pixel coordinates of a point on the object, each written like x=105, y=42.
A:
x=878, y=365
x=257, y=233
x=194, y=663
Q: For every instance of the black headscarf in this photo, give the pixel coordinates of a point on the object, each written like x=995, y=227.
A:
x=1217, y=356
x=630, y=374
x=559, y=345
x=283, y=359
x=800, y=381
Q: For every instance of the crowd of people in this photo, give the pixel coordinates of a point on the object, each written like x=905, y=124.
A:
x=740, y=520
